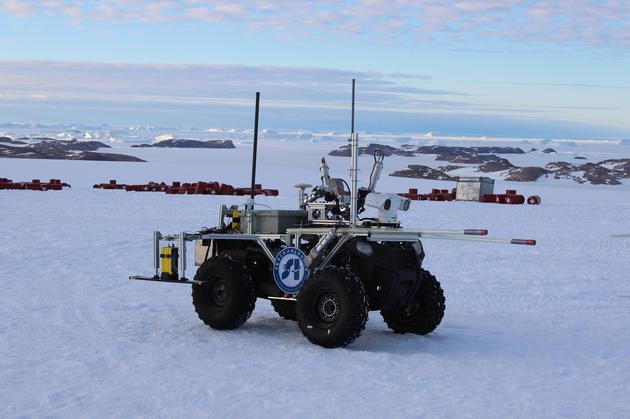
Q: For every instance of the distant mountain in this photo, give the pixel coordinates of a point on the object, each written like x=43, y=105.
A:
x=183, y=143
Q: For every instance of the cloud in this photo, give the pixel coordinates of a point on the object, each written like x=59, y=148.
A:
x=17, y=8
x=593, y=23
x=216, y=84
x=222, y=96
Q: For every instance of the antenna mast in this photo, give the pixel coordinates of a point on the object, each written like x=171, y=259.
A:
x=354, y=146
x=253, y=192
x=352, y=124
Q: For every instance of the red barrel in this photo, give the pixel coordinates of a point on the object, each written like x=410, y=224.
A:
x=533, y=200
x=515, y=199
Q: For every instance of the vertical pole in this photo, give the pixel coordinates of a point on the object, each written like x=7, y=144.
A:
x=255, y=145
x=353, y=179
x=182, y=256
x=354, y=147
x=156, y=252
x=352, y=124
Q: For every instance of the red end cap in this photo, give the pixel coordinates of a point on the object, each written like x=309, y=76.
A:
x=480, y=232
x=526, y=242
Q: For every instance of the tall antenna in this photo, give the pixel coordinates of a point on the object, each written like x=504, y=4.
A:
x=253, y=192
x=352, y=126
x=354, y=154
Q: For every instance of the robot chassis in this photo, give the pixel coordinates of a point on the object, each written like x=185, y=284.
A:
x=320, y=265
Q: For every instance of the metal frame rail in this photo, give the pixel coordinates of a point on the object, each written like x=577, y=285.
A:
x=293, y=237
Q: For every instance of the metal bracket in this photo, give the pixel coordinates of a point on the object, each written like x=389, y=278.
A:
x=342, y=240
x=265, y=249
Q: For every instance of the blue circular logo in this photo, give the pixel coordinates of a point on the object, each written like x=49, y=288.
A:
x=289, y=270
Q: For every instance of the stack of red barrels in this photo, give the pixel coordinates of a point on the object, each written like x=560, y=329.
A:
x=435, y=195
x=510, y=197
x=34, y=185
x=196, y=188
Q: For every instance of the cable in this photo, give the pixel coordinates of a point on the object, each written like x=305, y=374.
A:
x=379, y=156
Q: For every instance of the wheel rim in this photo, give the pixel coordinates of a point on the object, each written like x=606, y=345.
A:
x=326, y=308
x=409, y=312
x=218, y=293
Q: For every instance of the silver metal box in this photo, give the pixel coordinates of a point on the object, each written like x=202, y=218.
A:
x=473, y=188
x=274, y=221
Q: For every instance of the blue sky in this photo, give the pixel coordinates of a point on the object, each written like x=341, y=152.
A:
x=511, y=67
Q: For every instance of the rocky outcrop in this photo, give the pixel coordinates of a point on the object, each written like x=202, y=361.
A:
x=387, y=150
x=496, y=166
x=183, y=143
x=619, y=166
x=422, y=172
x=525, y=174
x=449, y=168
x=598, y=175
x=466, y=158
x=608, y=172
x=444, y=150
x=63, y=150
x=470, y=155
x=90, y=155
x=8, y=140
x=70, y=145
x=601, y=173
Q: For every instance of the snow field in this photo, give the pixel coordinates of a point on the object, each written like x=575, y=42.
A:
x=528, y=332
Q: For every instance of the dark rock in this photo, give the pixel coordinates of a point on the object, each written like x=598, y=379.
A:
x=220, y=143
x=564, y=170
x=422, y=172
x=90, y=155
x=549, y=151
x=183, y=143
x=72, y=145
x=468, y=158
x=63, y=150
x=449, y=168
x=344, y=151
x=444, y=150
x=496, y=166
x=498, y=150
x=468, y=155
x=10, y=141
x=620, y=166
x=525, y=174
x=580, y=158
x=562, y=167
x=598, y=175
x=532, y=150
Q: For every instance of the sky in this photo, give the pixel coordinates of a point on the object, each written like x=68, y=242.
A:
x=495, y=68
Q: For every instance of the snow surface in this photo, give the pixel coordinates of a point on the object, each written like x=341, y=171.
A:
x=528, y=332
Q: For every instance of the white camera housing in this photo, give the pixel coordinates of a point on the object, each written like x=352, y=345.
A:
x=388, y=205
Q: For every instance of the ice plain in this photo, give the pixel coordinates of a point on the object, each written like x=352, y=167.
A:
x=528, y=332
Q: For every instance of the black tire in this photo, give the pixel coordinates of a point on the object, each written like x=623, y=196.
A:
x=424, y=313
x=332, y=307
x=285, y=308
x=226, y=298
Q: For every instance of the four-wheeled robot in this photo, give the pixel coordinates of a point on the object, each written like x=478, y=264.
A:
x=320, y=264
